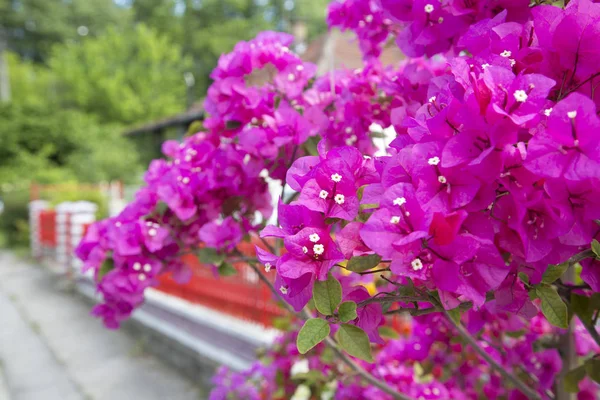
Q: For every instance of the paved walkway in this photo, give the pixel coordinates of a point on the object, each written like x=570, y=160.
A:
x=51, y=349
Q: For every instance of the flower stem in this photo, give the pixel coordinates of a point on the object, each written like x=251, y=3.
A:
x=521, y=386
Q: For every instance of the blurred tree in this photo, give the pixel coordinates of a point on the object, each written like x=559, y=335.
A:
x=34, y=26
x=123, y=77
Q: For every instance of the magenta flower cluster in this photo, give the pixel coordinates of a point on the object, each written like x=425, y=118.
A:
x=491, y=180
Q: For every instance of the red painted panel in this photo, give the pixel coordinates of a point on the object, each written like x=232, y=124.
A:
x=47, y=228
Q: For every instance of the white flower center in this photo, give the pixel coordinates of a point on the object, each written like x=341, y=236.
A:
x=431, y=99
x=520, y=96
x=547, y=111
x=323, y=194
x=291, y=77
x=484, y=66
x=147, y=267
x=152, y=232
x=395, y=219
x=339, y=198
x=506, y=53
x=440, y=20
x=314, y=237
x=416, y=264
x=336, y=177
x=417, y=346
x=318, y=249
x=572, y=114
x=369, y=18
x=399, y=201
x=305, y=249
x=436, y=391
x=118, y=224
x=185, y=180
x=442, y=179
x=300, y=68
x=428, y=8
x=137, y=266
x=142, y=277
x=283, y=290
x=348, y=129
x=512, y=62
x=267, y=267
x=433, y=161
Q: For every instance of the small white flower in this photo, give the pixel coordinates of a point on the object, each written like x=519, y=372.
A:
x=246, y=159
x=147, y=267
x=417, y=346
x=369, y=18
x=431, y=99
x=299, y=367
x=300, y=67
x=433, y=161
x=399, y=201
x=351, y=140
x=442, y=179
x=283, y=290
x=512, y=62
x=118, y=224
x=336, y=177
x=416, y=264
x=304, y=249
x=435, y=391
x=323, y=194
x=188, y=158
x=185, y=180
x=506, y=53
x=348, y=129
x=291, y=77
x=301, y=393
x=318, y=249
x=484, y=66
x=142, y=277
x=440, y=20
x=152, y=232
x=547, y=111
x=254, y=120
x=339, y=199
x=428, y=8
x=137, y=266
x=572, y=114
x=314, y=237
x=267, y=267
x=407, y=214
x=520, y=96
x=395, y=220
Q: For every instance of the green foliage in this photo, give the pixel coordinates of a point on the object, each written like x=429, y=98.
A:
x=596, y=248
x=553, y=308
x=208, y=255
x=347, y=311
x=313, y=332
x=14, y=223
x=363, y=263
x=572, y=379
x=327, y=295
x=354, y=341
x=553, y=272
x=127, y=77
x=388, y=332
x=226, y=269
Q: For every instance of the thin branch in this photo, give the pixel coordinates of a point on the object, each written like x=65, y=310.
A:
x=521, y=386
x=389, y=299
x=305, y=314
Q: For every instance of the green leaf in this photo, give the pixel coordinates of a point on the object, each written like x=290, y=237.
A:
x=455, y=314
x=107, y=266
x=553, y=308
x=582, y=307
x=377, y=135
x=553, y=272
x=363, y=263
x=312, y=333
x=347, y=311
x=572, y=379
x=327, y=356
x=596, y=248
x=524, y=278
x=388, y=332
x=229, y=125
x=327, y=295
x=208, y=255
x=368, y=206
x=592, y=367
x=226, y=269
x=515, y=334
x=354, y=341
x=311, y=377
x=311, y=145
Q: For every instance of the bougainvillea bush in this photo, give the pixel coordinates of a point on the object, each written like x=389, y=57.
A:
x=464, y=263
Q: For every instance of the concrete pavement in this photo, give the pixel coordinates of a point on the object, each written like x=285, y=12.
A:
x=51, y=349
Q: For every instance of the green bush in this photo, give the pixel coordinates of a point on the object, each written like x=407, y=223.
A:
x=14, y=220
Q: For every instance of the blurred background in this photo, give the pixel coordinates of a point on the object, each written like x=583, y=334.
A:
x=89, y=89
